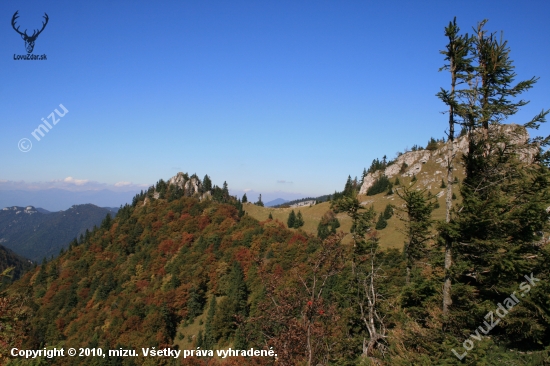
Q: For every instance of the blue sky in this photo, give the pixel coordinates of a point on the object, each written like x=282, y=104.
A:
x=285, y=98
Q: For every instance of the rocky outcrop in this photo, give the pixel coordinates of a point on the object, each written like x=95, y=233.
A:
x=304, y=203
x=178, y=180
x=415, y=160
x=29, y=210
x=191, y=187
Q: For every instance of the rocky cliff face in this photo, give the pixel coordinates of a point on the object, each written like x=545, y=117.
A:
x=416, y=161
x=192, y=186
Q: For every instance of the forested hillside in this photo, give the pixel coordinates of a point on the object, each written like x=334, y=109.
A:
x=36, y=235
x=184, y=267
x=9, y=259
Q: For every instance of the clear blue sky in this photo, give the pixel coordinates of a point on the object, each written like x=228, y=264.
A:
x=256, y=93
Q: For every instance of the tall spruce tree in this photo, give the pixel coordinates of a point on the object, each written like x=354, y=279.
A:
x=299, y=222
x=225, y=190
x=459, y=64
x=238, y=293
x=291, y=221
x=366, y=280
x=260, y=202
x=418, y=222
x=348, y=189
x=505, y=193
x=207, y=183
x=233, y=308
x=209, y=340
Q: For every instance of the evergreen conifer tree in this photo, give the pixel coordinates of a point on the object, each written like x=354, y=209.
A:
x=291, y=222
x=207, y=183
x=238, y=292
x=348, y=189
x=379, y=186
x=245, y=199
x=328, y=225
x=238, y=204
x=260, y=203
x=299, y=222
x=107, y=222
x=390, y=189
x=209, y=336
x=504, y=195
x=388, y=211
x=225, y=190
x=417, y=225
x=457, y=54
x=364, y=277
x=381, y=223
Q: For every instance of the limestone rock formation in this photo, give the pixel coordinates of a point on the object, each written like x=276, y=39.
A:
x=177, y=180
x=192, y=186
x=416, y=160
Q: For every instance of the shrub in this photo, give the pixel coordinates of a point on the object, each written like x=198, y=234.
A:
x=379, y=186
x=432, y=144
x=388, y=211
x=381, y=223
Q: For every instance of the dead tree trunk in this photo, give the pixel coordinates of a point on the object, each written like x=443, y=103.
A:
x=369, y=310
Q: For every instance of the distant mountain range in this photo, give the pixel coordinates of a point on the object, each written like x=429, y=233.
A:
x=275, y=202
x=61, y=199
x=37, y=233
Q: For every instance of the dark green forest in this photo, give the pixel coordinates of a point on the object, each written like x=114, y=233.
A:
x=38, y=235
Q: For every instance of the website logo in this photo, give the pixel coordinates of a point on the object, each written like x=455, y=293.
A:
x=29, y=40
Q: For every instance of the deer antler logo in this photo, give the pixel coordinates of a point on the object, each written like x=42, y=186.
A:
x=29, y=40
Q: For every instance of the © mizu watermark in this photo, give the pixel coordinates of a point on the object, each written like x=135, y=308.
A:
x=25, y=145
x=501, y=311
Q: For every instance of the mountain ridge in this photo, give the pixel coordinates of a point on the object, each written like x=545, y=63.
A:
x=276, y=202
x=36, y=235
x=55, y=199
